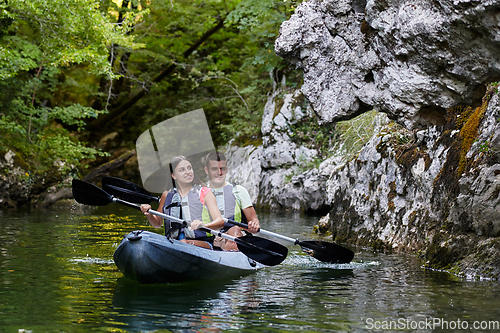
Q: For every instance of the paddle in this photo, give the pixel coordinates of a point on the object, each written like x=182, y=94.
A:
x=321, y=250
x=259, y=249
x=127, y=190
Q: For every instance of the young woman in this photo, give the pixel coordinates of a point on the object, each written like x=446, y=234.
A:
x=198, y=205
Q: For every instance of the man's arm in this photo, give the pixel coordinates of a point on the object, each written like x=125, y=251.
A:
x=253, y=221
x=247, y=208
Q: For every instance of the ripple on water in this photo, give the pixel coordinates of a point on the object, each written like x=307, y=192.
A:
x=301, y=260
x=90, y=261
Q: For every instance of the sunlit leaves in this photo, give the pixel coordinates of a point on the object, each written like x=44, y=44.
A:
x=65, y=32
x=58, y=58
x=39, y=40
x=261, y=20
x=17, y=54
x=74, y=114
x=60, y=148
x=248, y=13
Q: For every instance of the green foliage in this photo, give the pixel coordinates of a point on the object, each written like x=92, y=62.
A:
x=228, y=75
x=42, y=151
x=40, y=42
x=260, y=20
x=63, y=62
x=484, y=147
x=258, y=23
x=495, y=86
x=308, y=132
x=35, y=135
x=74, y=114
x=345, y=138
x=58, y=33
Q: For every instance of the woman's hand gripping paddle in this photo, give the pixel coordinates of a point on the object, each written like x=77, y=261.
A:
x=259, y=249
x=321, y=250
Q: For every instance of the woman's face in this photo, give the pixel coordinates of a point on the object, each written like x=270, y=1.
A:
x=183, y=172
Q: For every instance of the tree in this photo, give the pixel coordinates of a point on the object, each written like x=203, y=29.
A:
x=39, y=41
x=66, y=62
x=227, y=75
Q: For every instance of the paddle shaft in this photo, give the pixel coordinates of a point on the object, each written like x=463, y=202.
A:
x=174, y=219
x=324, y=251
x=218, y=233
x=259, y=249
x=149, y=197
x=264, y=232
x=177, y=220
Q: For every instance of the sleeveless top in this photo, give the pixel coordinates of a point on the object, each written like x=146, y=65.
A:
x=189, y=208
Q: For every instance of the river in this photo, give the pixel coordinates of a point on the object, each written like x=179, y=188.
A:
x=57, y=275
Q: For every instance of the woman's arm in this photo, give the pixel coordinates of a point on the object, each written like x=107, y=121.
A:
x=211, y=203
x=154, y=220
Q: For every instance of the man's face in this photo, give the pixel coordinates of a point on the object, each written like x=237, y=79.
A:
x=217, y=171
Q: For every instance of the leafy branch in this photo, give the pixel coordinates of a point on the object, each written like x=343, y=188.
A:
x=233, y=86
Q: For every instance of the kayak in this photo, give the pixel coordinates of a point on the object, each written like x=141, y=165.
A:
x=148, y=257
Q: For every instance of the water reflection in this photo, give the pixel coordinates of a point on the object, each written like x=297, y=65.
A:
x=168, y=306
x=273, y=297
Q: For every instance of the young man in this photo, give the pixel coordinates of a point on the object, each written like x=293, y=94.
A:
x=233, y=200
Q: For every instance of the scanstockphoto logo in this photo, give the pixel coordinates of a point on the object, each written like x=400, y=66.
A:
x=430, y=324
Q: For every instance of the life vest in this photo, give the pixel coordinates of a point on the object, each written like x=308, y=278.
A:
x=228, y=204
x=189, y=208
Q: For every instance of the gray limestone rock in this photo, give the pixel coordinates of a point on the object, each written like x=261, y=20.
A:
x=410, y=59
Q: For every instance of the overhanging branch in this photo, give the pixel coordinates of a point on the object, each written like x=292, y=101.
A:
x=122, y=109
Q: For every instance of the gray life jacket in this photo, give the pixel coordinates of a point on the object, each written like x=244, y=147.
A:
x=189, y=208
x=229, y=207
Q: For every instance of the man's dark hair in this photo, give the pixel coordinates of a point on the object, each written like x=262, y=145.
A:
x=215, y=156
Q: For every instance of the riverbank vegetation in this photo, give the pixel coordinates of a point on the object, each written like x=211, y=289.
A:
x=73, y=71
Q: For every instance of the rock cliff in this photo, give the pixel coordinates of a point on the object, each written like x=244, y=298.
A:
x=433, y=192
x=410, y=59
x=427, y=182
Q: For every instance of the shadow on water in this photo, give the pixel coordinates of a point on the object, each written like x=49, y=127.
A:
x=258, y=300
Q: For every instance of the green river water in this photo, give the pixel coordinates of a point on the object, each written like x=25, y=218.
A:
x=57, y=275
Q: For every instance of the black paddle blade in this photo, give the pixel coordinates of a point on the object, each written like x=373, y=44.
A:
x=127, y=191
x=89, y=194
x=327, y=252
x=262, y=250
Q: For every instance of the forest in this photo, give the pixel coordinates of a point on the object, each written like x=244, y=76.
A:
x=73, y=71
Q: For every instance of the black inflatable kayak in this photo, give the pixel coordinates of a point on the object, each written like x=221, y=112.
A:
x=153, y=258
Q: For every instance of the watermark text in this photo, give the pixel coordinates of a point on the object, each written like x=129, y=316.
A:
x=431, y=324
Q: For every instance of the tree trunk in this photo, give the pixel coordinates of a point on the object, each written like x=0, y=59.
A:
x=92, y=177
